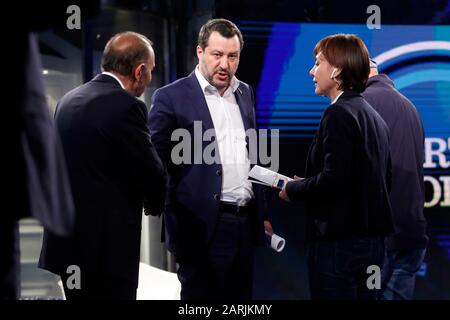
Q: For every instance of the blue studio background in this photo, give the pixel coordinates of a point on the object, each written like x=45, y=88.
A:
x=276, y=60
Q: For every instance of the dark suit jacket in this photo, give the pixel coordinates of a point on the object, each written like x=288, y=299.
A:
x=347, y=173
x=39, y=177
x=113, y=168
x=37, y=181
x=192, y=206
x=407, y=139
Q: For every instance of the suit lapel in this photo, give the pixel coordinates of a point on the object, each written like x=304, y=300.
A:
x=198, y=101
x=244, y=105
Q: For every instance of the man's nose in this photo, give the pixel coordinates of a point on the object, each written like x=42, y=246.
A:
x=224, y=63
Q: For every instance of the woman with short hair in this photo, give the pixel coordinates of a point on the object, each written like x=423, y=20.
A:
x=347, y=177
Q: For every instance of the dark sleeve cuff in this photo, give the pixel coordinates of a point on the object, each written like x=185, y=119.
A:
x=293, y=190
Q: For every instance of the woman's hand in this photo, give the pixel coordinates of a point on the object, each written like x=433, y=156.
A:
x=283, y=194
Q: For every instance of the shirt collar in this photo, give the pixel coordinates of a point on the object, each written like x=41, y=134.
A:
x=205, y=85
x=337, y=97
x=115, y=77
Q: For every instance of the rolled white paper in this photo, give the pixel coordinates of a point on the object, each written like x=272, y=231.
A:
x=276, y=242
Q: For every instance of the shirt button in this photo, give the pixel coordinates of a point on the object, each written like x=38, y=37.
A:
x=219, y=172
x=216, y=196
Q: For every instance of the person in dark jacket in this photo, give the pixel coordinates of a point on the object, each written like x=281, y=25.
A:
x=406, y=247
x=38, y=183
x=114, y=171
x=347, y=177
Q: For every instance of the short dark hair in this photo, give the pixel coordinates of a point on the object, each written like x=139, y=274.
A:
x=349, y=53
x=123, y=58
x=224, y=27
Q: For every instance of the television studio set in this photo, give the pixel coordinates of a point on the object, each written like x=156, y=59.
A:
x=232, y=153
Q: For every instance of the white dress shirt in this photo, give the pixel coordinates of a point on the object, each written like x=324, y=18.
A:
x=230, y=135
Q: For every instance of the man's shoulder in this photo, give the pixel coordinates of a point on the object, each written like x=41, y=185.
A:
x=179, y=84
x=378, y=87
x=95, y=93
x=244, y=85
x=382, y=95
x=97, y=87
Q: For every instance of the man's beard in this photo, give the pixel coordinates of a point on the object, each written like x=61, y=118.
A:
x=219, y=85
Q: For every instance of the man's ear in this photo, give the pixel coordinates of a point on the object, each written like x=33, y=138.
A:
x=199, y=52
x=139, y=71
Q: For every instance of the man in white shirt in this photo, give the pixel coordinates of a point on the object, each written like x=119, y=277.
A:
x=213, y=215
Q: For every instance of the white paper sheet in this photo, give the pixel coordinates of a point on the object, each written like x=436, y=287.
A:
x=268, y=177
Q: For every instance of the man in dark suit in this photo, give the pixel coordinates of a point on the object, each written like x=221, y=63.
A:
x=406, y=247
x=114, y=170
x=212, y=216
